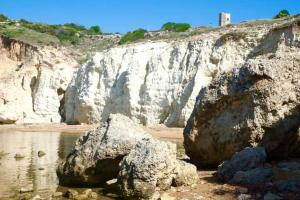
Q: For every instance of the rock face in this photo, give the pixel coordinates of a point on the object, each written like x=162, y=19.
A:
x=152, y=82
x=33, y=82
x=96, y=155
x=157, y=82
x=151, y=166
x=255, y=105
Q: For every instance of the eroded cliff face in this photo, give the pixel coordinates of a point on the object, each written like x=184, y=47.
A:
x=152, y=82
x=33, y=81
x=157, y=82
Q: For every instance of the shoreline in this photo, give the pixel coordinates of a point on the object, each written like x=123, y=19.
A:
x=161, y=132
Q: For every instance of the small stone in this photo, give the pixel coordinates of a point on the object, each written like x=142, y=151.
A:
x=112, y=181
x=25, y=190
x=57, y=194
x=271, y=196
x=93, y=195
x=80, y=197
x=166, y=196
x=71, y=194
x=19, y=156
x=41, y=153
x=243, y=190
x=41, y=168
x=87, y=191
x=25, y=196
x=36, y=197
x=244, y=197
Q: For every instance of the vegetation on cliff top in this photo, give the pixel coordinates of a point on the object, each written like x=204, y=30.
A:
x=65, y=33
x=176, y=27
x=282, y=13
x=133, y=36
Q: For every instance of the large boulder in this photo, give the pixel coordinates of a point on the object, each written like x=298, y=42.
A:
x=255, y=105
x=96, y=155
x=151, y=166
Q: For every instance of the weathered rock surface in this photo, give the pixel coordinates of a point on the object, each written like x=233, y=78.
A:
x=252, y=176
x=151, y=166
x=96, y=155
x=33, y=82
x=255, y=105
x=247, y=159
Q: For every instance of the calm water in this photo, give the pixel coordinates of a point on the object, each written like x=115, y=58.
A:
x=32, y=171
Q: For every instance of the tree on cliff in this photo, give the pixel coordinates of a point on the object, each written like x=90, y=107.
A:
x=282, y=13
x=3, y=18
x=95, y=30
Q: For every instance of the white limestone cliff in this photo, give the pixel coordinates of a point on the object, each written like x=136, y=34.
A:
x=153, y=82
x=33, y=80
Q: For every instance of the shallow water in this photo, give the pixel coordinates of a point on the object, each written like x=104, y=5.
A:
x=32, y=171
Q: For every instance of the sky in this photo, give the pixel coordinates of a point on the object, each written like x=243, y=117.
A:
x=126, y=15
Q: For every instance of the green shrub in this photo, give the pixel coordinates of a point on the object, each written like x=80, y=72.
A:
x=95, y=30
x=24, y=21
x=13, y=33
x=3, y=18
x=74, y=26
x=176, y=27
x=282, y=13
x=133, y=36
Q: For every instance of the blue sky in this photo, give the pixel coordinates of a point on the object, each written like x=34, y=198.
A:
x=125, y=15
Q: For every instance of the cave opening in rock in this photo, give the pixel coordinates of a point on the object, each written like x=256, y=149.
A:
x=61, y=97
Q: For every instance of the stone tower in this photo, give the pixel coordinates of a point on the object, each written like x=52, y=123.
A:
x=224, y=19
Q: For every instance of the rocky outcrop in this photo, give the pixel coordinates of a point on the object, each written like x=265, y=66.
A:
x=245, y=160
x=33, y=82
x=152, y=166
x=250, y=169
x=96, y=155
x=255, y=105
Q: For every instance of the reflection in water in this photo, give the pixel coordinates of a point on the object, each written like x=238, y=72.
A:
x=32, y=171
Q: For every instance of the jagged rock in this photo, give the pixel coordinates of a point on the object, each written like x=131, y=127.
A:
x=71, y=194
x=151, y=166
x=245, y=160
x=185, y=174
x=252, y=176
x=96, y=155
x=257, y=104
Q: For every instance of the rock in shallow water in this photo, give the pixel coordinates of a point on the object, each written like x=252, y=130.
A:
x=96, y=155
x=151, y=166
